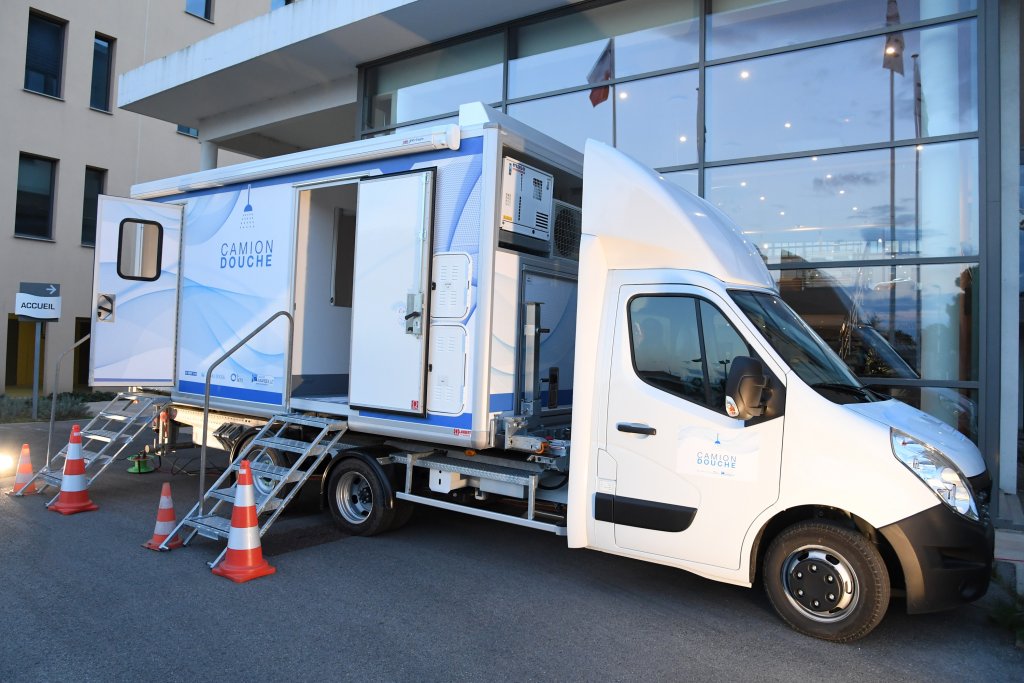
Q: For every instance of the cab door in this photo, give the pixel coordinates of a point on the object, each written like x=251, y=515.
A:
x=135, y=293
x=686, y=480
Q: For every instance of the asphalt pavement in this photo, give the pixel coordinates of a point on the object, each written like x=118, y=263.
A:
x=448, y=597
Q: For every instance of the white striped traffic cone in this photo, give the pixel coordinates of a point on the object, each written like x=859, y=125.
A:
x=244, y=559
x=165, y=523
x=24, y=475
x=74, y=485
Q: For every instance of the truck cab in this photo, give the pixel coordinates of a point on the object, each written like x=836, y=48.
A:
x=724, y=437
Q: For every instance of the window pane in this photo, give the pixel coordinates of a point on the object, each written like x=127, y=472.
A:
x=95, y=179
x=640, y=36
x=185, y=130
x=99, y=97
x=138, y=256
x=570, y=118
x=839, y=95
x=436, y=82
x=656, y=119
x=956, y=407
x=34, y=212
x=904, y=322
x=666, y=345
x=857, y=206
x=684, y=179
x=722, y=343
x=200, y=8
x=44, y=56
x=737, y=26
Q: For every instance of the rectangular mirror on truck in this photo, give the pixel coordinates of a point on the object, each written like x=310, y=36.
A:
x=744, y=390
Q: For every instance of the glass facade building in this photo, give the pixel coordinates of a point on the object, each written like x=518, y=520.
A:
x=841, y=135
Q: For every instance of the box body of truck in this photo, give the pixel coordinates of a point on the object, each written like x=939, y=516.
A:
x=405, y=263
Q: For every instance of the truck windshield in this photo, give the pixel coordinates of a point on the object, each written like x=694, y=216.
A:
x=802, y=350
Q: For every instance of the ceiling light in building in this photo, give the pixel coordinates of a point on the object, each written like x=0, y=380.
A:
x=814, y=158
x=765, y=245
x=787, y=124
x=623, y=95
x=842, y=191
x=890, y=50
x=744, y=74
x=682, y=138
x=828, y=176
x=743, y=183
x=855, y=208
x=761, y=198
x=920, y=148
x=782, y=213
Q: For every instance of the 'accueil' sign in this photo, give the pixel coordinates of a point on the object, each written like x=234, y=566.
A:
x=38, y=301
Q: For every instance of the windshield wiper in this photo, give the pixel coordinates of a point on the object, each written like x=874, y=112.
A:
x=846, y=388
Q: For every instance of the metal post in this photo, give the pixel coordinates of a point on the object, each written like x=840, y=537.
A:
x=285, y=391
x=53, y=396
x=35, y=372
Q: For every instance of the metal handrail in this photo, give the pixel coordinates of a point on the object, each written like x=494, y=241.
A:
x=285, y=393
x=53, y=396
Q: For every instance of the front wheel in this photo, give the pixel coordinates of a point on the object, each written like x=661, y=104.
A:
x=826, y=581
x=357, y=499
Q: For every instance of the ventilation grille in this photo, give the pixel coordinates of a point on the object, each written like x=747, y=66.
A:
x=568, y=223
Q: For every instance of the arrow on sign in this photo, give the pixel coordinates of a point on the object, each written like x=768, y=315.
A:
x=51, y=289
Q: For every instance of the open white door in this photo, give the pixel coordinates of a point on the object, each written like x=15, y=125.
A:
x=390, y=293
x=135, y=293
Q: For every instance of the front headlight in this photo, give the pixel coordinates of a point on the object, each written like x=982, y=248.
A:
x=935, y=470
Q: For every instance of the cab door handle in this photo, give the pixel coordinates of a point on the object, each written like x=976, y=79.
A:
x=634, y=428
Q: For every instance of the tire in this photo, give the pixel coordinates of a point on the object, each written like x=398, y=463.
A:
x=806, y=560
x=356, y=497
x=401, y=514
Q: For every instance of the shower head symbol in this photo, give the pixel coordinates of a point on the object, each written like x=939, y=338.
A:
x=248, y=218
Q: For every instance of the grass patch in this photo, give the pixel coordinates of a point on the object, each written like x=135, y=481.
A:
x=19, y=409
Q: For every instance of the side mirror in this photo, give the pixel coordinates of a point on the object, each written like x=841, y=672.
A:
x=744, y=388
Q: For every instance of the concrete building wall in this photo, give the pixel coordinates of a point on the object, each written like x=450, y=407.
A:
x=130, y=147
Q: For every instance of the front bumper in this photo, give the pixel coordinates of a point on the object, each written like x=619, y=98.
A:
x=946, y=559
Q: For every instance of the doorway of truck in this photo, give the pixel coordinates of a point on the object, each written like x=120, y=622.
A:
x=324, y=261
x=363, y=294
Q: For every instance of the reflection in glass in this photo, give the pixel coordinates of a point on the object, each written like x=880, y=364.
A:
x=900, y=322
x=567, y=51
x=569, y=118
x=839, y=95
x=856, y=206
x=738, y=26
x=956, y=407
x=436, y=82
x=656, y=119
x=684, y=179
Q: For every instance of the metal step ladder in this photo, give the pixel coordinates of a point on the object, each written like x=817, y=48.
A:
x=273, y=486
x=104, y=438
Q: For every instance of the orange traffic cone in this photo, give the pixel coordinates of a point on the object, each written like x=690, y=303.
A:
x=24, y=475
x=244, y=558
x=165, y=523
x=74, y=487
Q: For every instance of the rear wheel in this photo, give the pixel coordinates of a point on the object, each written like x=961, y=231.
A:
x=826, y=581
x=356, y=497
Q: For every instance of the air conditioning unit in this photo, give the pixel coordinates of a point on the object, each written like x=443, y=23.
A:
x=526, y=197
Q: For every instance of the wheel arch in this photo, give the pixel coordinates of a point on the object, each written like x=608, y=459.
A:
x=369, y=455
x=786, y=518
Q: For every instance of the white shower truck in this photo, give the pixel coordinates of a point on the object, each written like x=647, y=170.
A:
x=476, y=317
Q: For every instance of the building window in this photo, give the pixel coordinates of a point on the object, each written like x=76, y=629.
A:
x=44, y=55
x=95, y=182
x=276, y=4
x=102, y=72
x=34, y=212
x=191, y=132
x=200, y=8
x=435, y=82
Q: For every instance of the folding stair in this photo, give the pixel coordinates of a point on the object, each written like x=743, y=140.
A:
x=104, y=438
x=271, y=482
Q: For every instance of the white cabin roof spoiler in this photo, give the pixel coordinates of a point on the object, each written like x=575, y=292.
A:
x=647, y=221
